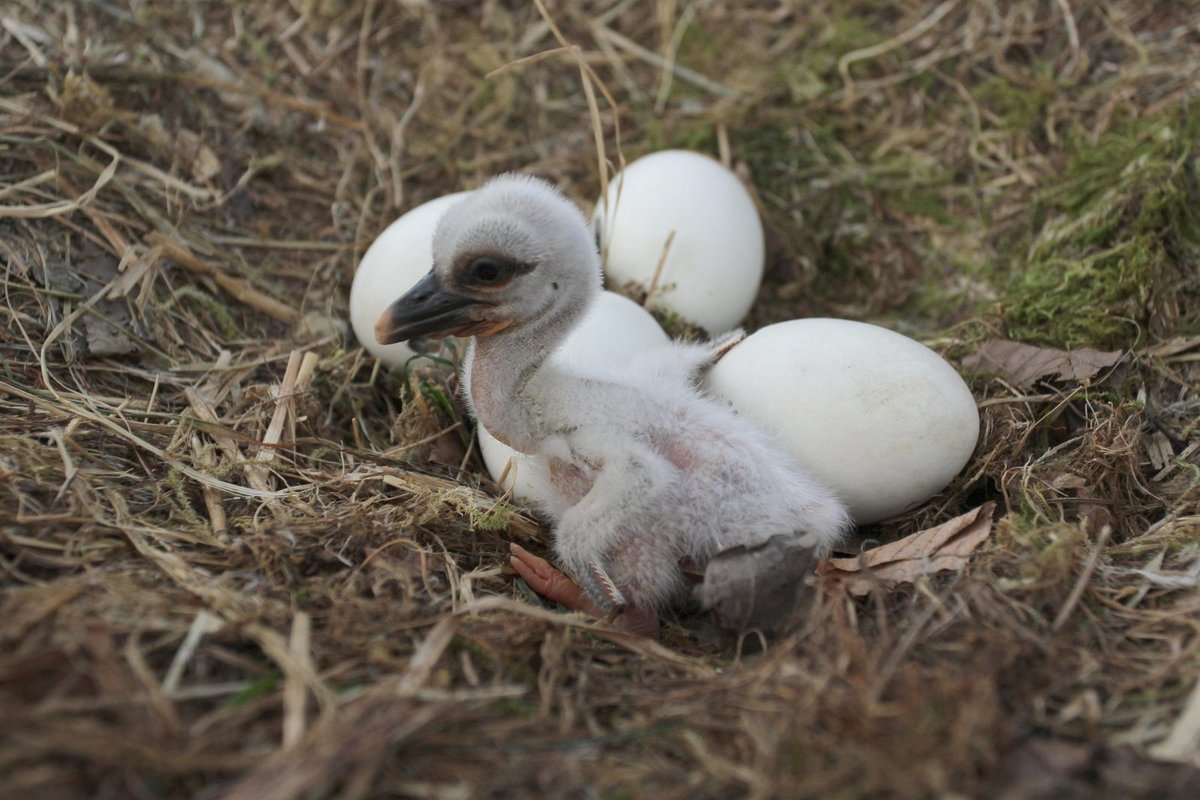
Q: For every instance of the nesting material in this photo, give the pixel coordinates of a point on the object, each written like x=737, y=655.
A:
x=144, y=630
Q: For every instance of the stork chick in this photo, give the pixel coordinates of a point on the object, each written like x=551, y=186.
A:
x=644, y=473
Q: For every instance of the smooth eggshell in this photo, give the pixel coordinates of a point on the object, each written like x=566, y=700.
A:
x=715, y=262
x=880, y=418
x=395, y=261
x=615, y=328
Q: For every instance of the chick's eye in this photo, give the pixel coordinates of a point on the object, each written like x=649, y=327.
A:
x=486, y=270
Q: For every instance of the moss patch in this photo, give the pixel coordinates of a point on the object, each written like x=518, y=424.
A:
x=1018, y=108
x=1121, y=232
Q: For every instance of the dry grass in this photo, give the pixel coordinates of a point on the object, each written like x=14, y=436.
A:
x=239, y=560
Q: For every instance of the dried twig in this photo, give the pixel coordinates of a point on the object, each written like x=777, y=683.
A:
x=1085, y=575
x=239, y=289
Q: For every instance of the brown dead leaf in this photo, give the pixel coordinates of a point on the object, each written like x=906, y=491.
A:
x=1024, y=365
x=945, y=547
x=197, y=157
x=105, y=339
x=107, y=329
x=1067, y=480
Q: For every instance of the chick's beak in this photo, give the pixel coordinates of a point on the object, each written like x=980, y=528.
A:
x=429, y=309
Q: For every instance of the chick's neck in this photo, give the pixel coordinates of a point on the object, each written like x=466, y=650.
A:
x=506, y=363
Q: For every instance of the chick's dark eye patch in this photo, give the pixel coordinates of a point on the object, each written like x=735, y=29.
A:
x=489, y=271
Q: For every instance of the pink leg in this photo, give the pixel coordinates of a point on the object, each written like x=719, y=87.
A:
x=549, y=582
x=552, y=584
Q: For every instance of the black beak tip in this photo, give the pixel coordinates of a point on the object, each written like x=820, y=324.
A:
x=425, y=310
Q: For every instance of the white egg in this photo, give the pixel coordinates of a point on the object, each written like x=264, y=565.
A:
x=395, y=261
x=615, y=327
x=878, y=417
x=714, y=262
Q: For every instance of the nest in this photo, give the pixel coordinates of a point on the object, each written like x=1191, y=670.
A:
x=241, y=560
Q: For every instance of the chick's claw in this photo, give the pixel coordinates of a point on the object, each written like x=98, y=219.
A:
x=601, y=588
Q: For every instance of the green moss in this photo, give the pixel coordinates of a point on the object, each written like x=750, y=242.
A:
x=217, y=311
x=1019, y=108
x=1122, y=231
x=702, y=45
x=771, y=150
x=256, y=689
x=1050, y=552
x=494, y=518
x=851, y=28
x=832, y=198
x=515, y=707
x=802, y=79
x=179, y=499
x=685, y=134
x=464, y=502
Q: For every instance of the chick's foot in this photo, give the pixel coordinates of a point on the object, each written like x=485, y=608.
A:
x=549, y=582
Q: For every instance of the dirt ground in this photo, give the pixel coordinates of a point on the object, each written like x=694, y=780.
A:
x=239, y=559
